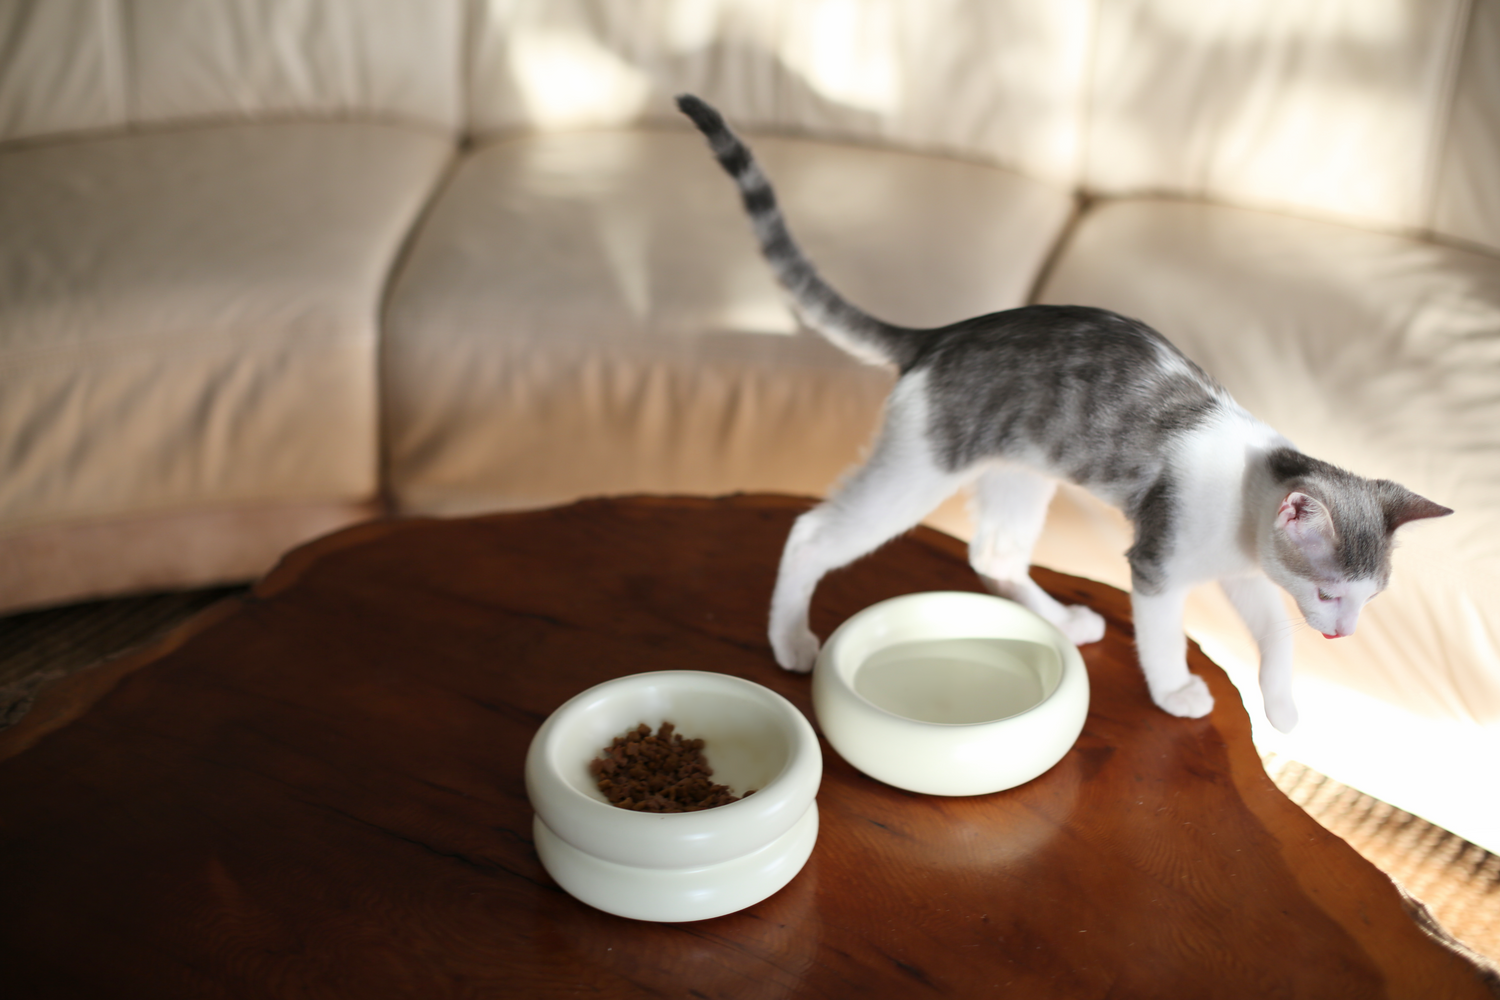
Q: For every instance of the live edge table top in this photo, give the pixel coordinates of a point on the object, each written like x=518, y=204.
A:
x=317, y=792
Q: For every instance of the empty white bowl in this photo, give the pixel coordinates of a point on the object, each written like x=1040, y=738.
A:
x=677, y=866
x=950, y=693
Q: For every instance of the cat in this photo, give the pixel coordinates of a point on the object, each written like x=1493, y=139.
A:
x=1014, y=401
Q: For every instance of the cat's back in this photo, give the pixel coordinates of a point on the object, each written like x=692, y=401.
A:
x=1085, y=393
x=1047, y=342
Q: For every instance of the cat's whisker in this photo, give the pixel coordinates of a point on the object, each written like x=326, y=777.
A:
x=1282, y=630
x=1290, y=627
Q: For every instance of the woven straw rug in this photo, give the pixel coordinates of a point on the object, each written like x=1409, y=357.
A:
x=1454, y=885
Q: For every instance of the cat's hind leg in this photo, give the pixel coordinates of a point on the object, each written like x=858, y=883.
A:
x=1010, y=508
x=896, y=487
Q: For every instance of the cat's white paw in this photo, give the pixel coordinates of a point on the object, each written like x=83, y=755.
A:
x=1282, y=713
x=1082, y=625
x=796, y=650
x=1191, y=701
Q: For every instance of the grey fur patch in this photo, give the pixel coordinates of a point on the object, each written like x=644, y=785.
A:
x=1083, y=394
x=1086, y=389
x=1155, y=524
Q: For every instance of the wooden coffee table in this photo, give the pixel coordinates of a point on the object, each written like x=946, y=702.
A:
x=317, y=792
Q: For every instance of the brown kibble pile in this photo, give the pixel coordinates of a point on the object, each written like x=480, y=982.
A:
x=662, y=773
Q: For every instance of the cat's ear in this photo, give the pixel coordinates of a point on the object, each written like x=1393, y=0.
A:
x=1300, y=512
x=1402, y=505
x=1306, y=523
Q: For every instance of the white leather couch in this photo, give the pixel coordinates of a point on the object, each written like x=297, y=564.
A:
x=268, y=267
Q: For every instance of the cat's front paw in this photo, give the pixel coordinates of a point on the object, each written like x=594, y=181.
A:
x=796, y=650
x=1282, y=713
x=1081, y=625
x=1191, y=701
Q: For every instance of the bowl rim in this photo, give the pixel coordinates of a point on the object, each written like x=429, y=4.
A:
x=675, y=840
x=1058, y=643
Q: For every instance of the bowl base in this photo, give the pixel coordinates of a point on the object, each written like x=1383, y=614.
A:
x=677, y=894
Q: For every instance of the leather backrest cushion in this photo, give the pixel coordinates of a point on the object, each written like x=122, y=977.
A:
x=1383, y=113
x=999, y=81
x=70, y=65
x=1335, y=109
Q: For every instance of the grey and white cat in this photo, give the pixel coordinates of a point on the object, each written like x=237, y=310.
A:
x=1013, y=402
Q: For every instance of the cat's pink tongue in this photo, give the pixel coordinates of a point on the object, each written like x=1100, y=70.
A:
x=1327, y=636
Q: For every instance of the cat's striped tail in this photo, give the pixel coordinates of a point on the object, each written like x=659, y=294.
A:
x=820, y=307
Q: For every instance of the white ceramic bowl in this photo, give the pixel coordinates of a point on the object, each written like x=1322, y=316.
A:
x=950, y=693
x=677, y=866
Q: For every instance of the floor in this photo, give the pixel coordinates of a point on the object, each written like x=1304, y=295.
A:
x=1458, y=882
x=1454, y=881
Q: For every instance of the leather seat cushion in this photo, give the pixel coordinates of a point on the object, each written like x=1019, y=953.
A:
x=189, y=319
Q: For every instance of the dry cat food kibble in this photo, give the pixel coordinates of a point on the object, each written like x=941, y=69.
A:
x=661, y=773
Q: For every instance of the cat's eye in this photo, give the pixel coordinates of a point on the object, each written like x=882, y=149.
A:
x=1324, y=595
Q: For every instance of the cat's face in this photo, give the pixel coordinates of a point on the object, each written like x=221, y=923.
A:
x=1332, y=558
x=1332, y=607
x=1311, y=561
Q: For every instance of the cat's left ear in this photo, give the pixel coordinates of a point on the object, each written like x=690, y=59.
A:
x=1301, y=515
x=1305, y=522
x=1402, y=505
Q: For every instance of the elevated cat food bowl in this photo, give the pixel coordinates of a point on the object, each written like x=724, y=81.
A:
x=677, y=866
x=950, y=693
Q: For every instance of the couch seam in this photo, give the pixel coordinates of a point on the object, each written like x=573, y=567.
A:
x=1085, y=116
x=1439, y=132
x=116, y=76
x=1082, y=204
x=405, y=248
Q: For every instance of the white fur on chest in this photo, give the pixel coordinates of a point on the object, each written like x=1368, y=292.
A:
x=1212, y=539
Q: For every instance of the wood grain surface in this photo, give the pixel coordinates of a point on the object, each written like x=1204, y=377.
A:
x=317, y=792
